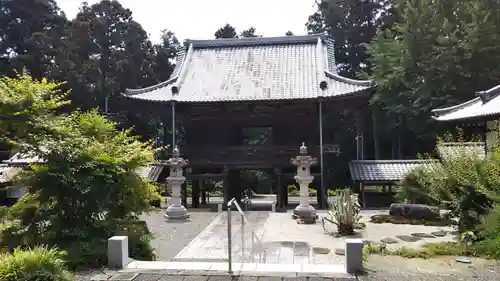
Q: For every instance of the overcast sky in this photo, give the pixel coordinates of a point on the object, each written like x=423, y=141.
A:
x=199, y=19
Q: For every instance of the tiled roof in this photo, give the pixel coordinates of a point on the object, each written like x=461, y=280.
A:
x=487, y=104
x=7, y=173
x=384, y=170
x=253, y=69
x=449, y=150
x=152, y=172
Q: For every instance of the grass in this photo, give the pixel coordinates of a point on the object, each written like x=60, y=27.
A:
x=402, y=220
x=427, y=251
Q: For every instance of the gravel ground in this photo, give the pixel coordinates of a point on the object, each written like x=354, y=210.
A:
x=169, y=237
x=172, y=237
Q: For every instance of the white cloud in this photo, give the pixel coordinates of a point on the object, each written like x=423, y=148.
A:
x=199, y=19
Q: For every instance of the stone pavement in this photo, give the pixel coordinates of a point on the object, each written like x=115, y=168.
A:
x=283, y=241
x=167, y=277
x=368, y=277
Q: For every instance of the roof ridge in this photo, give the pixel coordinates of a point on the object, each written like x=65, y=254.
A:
x=366, y=83
x=322, y=64
x=489, y=94
x=182, y=71
x=179, y=61
x=256, y=41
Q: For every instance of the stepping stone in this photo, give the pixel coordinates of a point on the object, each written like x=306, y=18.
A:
x=340, y=252
x=439, y=233
x=360, y=225
x=389, y=240
x=321, y=251
x=422, y=235
x=463, y=260
x=408, y=238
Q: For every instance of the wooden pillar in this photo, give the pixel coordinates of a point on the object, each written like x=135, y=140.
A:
x=203, y=191
x=376, y=142
x=166, y=136
x=195, y=185
x=320, y=196
x=184, y=194
x=226, y=186
x=359, y=135
x=362, y=187
x=280, y=190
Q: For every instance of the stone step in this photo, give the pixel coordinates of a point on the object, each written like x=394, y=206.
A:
x=247, y=269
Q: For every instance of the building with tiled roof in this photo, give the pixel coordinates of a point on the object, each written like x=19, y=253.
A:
x=379, y=172
x=483, y=110
x=253, y=69
x=224, y=91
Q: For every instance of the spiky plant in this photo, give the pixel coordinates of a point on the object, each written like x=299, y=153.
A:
x=344, y=212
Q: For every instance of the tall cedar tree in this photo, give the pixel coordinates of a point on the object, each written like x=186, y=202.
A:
x=227, y=31
x=438, y=54
x=352, y=24
x=31, y=32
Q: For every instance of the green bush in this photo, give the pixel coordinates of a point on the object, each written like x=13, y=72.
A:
x=312, y=192
x=466, y=185
x=489, y=235
x=36, y=264
x=332, y=192
x=292, y=190
x=156, y=201
x=87, y=184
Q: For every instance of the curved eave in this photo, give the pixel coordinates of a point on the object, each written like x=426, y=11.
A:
x=361, y=83
x=441, y=113
x=161, y=92
x=339, y=86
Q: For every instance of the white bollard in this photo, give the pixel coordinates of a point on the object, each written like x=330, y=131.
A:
x=118, y=252
x=219, y=208
x=353, y=255
x=273, y=207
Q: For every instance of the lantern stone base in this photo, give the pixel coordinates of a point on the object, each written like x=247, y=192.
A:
x=307, y=214
x=176, y=213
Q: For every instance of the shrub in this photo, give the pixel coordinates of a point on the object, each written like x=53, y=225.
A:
x=465, y=184
x=87, y=183
x=39, y=263
x=156, y=201
x=344, y=213
x=292, y=190
x=312, y=192
x=489, y=235
x=331, y=192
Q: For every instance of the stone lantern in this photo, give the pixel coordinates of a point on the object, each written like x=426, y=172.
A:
x=304, y=162
x=175, y=210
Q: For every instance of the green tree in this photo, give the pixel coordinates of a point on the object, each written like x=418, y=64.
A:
x=352, y=24
x=289, y=33
x=30, y=33
x=25, y=106
x=251, y=32
x=227, y=31
x=86, y=189
x=165, y=54
x=107, y=52
x=437, y=54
